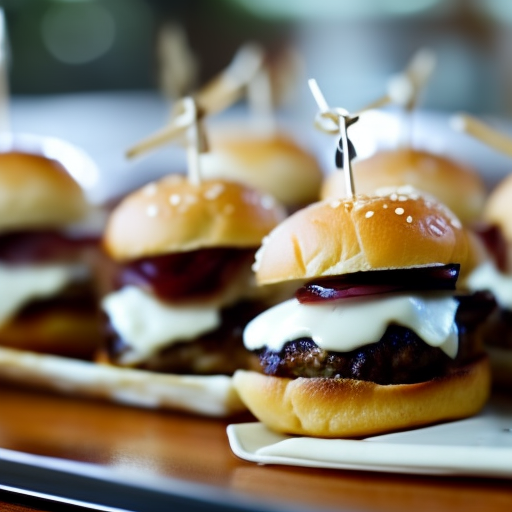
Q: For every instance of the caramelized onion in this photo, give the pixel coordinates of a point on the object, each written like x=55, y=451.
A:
x=41, y=246
x=358, y=284
x=186, y=274
x=492, y=237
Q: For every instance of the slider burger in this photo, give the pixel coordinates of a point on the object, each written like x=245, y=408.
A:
x=376, y=338
x=269, y=161
x=456, y=185
x=495, y=275
x=257, y=152
x=47, y=301
x=184, y=288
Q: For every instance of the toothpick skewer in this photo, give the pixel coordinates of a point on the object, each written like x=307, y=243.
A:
x=222, y=92
x=318, y=95
x=343, y=120
x=196, y=139
x=404, y=89
x=4, y=76
x=177, y=127
x=228, y=87
x=259, y=95
x=178, y=64
x=347, y=164
x=479, y=130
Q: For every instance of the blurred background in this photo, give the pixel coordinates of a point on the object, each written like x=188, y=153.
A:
x=351, y=47
x=101, y=72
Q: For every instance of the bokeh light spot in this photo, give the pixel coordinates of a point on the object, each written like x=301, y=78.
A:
x=78, y=32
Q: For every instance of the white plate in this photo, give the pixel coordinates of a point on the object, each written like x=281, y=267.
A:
x=208, y=395
x=479, y=446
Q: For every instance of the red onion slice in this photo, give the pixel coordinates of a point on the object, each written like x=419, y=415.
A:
x=41, y=246
x=374, y=282
x=185, y=275
x=492, y=237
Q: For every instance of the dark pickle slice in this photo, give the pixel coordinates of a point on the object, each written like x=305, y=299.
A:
x=373, y=282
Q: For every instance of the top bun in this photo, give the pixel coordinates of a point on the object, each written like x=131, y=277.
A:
x=398, y=229
x=498, y=209
x=174, y=215
x=271, y=163
x=456, y=185
x=37, y=192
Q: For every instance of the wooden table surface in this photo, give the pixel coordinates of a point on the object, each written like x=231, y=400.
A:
x=196, y=450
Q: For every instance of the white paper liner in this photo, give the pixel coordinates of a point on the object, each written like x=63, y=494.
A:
x=479, y=446
x=206, y=395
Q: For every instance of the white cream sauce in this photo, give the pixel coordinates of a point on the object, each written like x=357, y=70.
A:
x=20, y=284
x=348, y=324
x=147, y=324
x=488, y=277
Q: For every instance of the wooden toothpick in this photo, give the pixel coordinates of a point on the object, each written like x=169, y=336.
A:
x=499, y=141
x=219, y=94
x=404, y=89
x=179, y=124
x=228, y=87
x=341, y=119
x=5, y=124
x=259, y=97
x=178, y=65
x=196, y=139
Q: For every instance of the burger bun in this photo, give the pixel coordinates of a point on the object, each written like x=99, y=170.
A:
x=328, y=407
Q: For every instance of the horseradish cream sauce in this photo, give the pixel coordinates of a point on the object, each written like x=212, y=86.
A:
x=20, y=284
x=488, y=277
x=147, y=324
x=348, y=324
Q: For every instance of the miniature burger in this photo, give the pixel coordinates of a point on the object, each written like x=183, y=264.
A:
x=375, y=339
x=184, y=287
x=47, y=297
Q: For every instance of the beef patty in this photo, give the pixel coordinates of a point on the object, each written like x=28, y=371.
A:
x=399, y=357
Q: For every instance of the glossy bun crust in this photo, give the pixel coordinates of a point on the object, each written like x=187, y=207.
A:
x=273, y=164
x=398, y=229
x=37, y=192
x=458, y=186
x=174, y=215
x=323, y=407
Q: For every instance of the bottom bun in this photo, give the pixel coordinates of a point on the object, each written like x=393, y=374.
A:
x=326, y=407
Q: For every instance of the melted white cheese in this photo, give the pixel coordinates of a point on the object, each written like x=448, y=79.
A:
x=348, y=324
x=20, y=284
x=147, y=324
x=488, y=277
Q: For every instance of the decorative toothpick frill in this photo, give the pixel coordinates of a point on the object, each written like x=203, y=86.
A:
x=178, y=65
x=336, y=121
x=186, y=120
x=228, y=87
x=405, y=88
x=196, y=139
x=216, y=96
x=261, y=103
x=499, y=141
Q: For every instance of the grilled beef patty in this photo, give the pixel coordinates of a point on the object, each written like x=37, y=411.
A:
x=218, y=352
x=399, y=357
